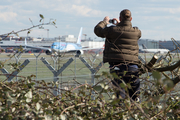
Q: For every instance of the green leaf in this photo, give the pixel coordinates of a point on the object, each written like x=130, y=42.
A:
x=62, y=117
x=28, y=32
x=129, y=86
x=80, y=118
x=115, y=75
x=28, y=96
x=97, y=76
x=102, y=85
x=115, y=101
x=106, y=87
x=97, y=88
x=122, y=85
x=113, y=96
x=168, y=84
x=13, y=109
x=156, y=75
x=125, y=72
x=38, y=106
x=54, y=23
x=42, y=17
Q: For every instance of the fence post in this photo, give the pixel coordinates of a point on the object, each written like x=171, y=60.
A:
x=55, y=58
x=93, y=71
x=17, y=57
x=37, y=62
x=56, y=72
x=11, y=76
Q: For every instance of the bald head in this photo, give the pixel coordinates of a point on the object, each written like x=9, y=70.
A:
x=125, y=15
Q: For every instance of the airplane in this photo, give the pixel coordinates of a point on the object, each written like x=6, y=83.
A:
x=146, y=50
x=64, y=47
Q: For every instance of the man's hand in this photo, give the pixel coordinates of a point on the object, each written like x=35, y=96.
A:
x=116, y=21
x=106, y=19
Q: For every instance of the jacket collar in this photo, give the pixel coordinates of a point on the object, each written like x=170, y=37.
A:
x=125, y=23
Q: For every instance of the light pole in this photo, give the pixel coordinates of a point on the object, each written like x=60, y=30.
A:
x=47, y=32
x=85, y=36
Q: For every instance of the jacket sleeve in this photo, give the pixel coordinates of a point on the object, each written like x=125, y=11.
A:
x=101, y=29
x=138, y=30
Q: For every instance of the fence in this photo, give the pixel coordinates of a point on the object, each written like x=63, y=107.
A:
x=51, y=68
x=67, y=69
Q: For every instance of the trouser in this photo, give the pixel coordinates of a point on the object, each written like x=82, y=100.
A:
x=129, y=74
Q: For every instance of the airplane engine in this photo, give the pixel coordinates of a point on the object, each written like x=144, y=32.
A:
x=79, y=52
x=48, y=52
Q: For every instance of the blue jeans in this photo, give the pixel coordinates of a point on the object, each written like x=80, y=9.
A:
x=129, y=74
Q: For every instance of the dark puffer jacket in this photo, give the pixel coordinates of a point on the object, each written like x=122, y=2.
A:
x=121, y=45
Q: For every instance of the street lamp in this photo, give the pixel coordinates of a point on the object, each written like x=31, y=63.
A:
x=47, y=32
x=85, y=36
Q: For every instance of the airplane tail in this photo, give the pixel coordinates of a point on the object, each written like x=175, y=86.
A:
x=79, y=37
x=144, y=47
x=25, y=43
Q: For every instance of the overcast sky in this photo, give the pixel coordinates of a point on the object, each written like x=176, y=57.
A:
x=157, y=19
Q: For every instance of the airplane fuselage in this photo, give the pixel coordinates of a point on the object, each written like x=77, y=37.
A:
x=154, y=50
x=65, y=47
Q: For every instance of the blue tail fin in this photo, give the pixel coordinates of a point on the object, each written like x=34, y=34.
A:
x=79, y=37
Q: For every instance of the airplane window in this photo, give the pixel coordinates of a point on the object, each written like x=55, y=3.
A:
x=78, y=45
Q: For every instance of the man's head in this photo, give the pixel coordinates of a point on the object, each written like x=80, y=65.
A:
x=125, y=15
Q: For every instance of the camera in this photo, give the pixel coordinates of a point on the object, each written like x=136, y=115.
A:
x=111, y=21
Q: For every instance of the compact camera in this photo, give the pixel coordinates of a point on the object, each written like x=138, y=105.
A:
x=111, y=21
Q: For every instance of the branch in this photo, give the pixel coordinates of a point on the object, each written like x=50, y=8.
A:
x=148, y=67
x=72, y=107
x=25, y=29
x=34, y=26
x=168, y=68
x=151, y=62
x=176, y=80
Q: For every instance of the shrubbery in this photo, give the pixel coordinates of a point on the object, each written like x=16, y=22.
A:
x=29, y=99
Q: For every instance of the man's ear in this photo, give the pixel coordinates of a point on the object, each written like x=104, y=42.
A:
x=131, y=19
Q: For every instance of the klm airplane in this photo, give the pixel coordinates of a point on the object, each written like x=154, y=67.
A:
x=64, y=47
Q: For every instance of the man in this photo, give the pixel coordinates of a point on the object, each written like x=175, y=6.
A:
x=121, y=52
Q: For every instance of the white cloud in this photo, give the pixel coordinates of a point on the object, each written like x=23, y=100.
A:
x=80, y=10
x=178, y=19
x=159, y=10
x=84, y=11
x=7, y=16
x=153, y=16
x=174, y=10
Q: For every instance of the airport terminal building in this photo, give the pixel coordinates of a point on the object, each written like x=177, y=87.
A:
x=11, y=42
x=155, y=44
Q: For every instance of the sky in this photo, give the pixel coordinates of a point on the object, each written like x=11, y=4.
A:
x=157, y=19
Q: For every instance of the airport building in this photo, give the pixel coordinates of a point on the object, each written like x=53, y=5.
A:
x=10, y=41
x=150, y=44
x=154, y=44
x=171, y=45
x=68, y=38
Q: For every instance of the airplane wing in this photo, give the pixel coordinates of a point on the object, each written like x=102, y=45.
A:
x=35, y=47
x=92, y=48
x=81, y=51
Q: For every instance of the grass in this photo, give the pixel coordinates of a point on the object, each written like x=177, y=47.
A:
x=76, y=70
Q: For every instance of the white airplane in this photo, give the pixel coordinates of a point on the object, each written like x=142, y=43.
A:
x=146, y=50
x=64, y=47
